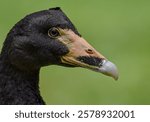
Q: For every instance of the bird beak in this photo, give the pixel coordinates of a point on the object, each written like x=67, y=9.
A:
x=82, y=54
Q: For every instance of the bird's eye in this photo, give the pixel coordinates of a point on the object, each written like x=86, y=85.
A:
x=53, y=32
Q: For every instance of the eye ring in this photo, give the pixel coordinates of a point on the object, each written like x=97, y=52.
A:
x=53, y=32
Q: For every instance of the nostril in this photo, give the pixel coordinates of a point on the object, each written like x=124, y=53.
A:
x=89, y=51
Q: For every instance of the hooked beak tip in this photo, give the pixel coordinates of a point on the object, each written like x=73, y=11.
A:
x=110, y=69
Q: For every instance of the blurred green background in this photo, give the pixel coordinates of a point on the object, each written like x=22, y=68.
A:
x=119, y=29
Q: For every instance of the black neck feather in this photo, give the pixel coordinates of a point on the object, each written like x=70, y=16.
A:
x=18, y=87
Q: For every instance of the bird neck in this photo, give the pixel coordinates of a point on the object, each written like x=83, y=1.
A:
x=18, y=87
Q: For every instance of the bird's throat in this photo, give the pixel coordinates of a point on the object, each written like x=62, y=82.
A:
x=18, y=87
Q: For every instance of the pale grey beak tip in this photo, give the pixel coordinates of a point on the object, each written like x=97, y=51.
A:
x=110, y=69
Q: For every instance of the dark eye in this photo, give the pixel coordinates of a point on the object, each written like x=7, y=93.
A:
x=53, y=32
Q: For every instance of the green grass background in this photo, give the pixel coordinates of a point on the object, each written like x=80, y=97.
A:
x=119, y=29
